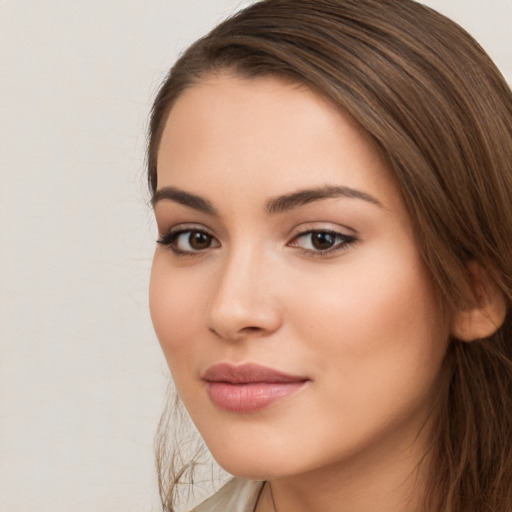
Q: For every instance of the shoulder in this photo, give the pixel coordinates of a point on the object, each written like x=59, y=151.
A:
x=236, y=496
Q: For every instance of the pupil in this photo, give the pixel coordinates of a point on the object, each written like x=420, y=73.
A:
x=323, y=241
x=199, y=241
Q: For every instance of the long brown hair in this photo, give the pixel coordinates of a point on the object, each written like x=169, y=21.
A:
x=441, y=112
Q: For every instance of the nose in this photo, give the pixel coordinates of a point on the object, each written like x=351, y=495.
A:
x=245, y=302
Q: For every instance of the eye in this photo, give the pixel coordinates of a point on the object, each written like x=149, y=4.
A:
x=189, y=241
x=319, y=242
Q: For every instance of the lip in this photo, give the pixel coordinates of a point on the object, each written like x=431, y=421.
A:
x=249, y=387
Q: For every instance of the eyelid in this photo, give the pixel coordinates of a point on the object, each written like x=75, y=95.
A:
x=343, y=243
x=328, y=227
x=168, y=238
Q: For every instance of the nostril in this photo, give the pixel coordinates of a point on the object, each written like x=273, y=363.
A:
x=244, y=331
x=236, y=316
x=251, y=329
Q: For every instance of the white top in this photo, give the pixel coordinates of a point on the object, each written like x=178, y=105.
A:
x=236, y=496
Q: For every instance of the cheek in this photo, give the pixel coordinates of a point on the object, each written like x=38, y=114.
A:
x=380, y=317
x=176, y=308
x=376, y=341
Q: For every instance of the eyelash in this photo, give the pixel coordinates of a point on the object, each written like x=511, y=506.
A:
x=342, y=242
x=171, y=239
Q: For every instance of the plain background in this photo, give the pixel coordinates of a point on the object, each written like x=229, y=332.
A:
x=82, y=380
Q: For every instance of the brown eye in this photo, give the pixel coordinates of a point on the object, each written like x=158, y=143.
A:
x=189, y=241
x=318, y=242
x=323, y=241
x=199, y=241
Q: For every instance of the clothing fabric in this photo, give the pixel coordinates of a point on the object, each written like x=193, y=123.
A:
x=236, y=496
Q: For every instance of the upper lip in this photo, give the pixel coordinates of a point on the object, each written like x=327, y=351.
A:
x=248, y=373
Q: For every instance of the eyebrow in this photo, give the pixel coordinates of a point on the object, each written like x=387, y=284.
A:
x=185, y=198
x=287, y=202
x=278, y=204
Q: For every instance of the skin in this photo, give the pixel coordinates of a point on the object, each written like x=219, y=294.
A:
x=360, y=321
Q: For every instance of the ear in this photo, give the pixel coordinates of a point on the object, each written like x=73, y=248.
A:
x=486, y=310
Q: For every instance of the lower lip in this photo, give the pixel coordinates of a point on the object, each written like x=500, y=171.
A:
x=250, y=397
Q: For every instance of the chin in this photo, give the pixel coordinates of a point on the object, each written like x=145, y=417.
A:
x=258, y=463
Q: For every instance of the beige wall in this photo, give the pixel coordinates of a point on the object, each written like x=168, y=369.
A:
x=81, y=377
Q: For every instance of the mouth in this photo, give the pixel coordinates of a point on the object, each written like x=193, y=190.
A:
x=249, y=388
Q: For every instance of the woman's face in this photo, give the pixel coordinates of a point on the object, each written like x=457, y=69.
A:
x=289, y=296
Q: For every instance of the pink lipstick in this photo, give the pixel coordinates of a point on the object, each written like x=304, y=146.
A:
x=249, y=387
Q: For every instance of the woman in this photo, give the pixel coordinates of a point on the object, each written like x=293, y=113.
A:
x=331, y=181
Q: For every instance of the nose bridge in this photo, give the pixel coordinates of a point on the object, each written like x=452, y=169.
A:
x=243, y=302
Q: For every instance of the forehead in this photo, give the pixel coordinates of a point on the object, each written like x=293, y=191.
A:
x=268, y=132
x=228, y=100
